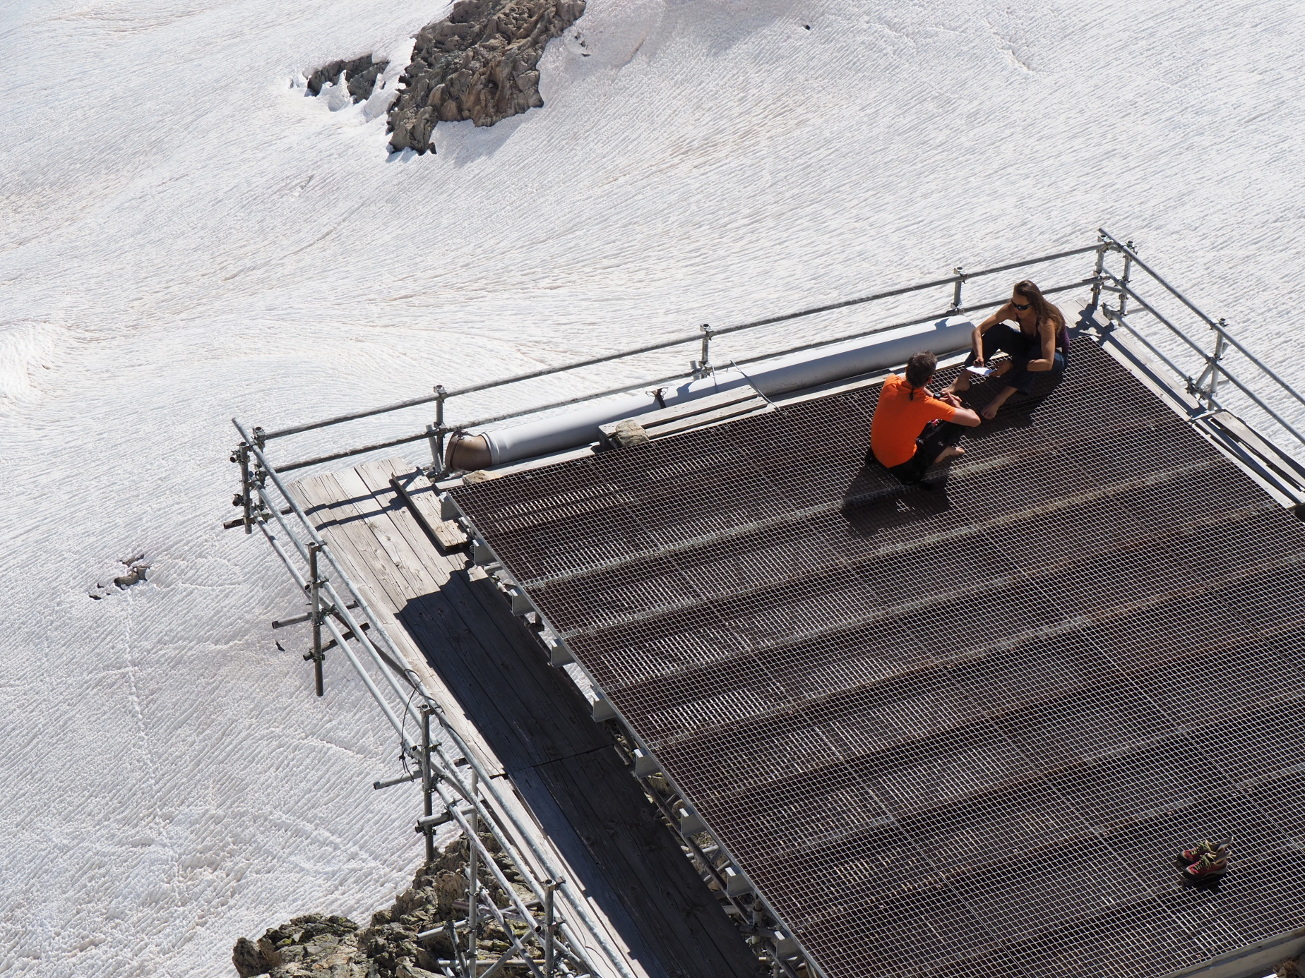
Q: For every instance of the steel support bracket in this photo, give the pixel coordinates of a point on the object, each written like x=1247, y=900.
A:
x=703, y=366
x=245, y=499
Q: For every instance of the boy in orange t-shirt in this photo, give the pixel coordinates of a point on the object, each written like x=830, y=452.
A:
x=911, y=428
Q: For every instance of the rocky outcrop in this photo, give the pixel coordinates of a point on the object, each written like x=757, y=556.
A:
x=479, y=63
x=316, y=946
x=309, y=945
x=360, y=76
x=136, y=571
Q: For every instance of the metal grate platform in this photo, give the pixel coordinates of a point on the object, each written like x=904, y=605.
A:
x=959, y=731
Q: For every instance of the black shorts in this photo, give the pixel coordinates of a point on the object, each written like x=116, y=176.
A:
x=936, y=437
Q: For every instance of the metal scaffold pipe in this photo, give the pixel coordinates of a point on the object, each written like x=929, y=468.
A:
x=490, y=810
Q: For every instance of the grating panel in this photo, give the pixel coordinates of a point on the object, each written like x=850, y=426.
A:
x=1016, y=898
x=1138, y=937
x=914, y=717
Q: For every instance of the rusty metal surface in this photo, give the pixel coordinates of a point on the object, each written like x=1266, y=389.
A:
x=959, y=731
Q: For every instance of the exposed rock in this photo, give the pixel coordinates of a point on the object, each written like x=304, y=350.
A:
x=316, y=946
x=360, y=76
x=134, y=575
x=625, y=434
x=312, y=946
x=249, y=960
x=136, y=569
x=479, y=63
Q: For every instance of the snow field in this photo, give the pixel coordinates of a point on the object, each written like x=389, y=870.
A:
x=184, y=237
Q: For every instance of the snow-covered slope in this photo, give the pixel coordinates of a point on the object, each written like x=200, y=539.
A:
x=185, y=236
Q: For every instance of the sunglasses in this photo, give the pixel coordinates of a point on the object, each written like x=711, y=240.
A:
x=1018, y=306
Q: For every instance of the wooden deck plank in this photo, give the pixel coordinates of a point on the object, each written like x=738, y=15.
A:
x=338, y=511
x=543, y=709
x=419, y=494
x=533, y=724
x=699, y=405
x=675, y=425
x=379, y=477
x=623, y=837
x=348, y=537
x=442, y=639
x=628, y=840
x=418, y=572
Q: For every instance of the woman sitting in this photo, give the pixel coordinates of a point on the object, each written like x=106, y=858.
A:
x=1038, y=343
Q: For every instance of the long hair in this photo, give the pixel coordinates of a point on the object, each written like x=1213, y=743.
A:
x=1042, y=309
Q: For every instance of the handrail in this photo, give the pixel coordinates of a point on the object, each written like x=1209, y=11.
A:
x=448, y=774
x=488, y=385
x=436, y=433
x=627, y=388
x=669, y=343
x=260, y=507
x=1126, y=249
x=1214, y=367
x=442, y=396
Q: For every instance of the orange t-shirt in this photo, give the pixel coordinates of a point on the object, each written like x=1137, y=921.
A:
x=899, y=419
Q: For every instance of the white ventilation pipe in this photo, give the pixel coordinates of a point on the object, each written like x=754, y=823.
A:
x=851, y=358
x=576, y=425
x=579, y=425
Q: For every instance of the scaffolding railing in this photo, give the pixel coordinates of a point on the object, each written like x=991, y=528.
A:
x=1230, y=392
x=438, y=431
x=447, y=767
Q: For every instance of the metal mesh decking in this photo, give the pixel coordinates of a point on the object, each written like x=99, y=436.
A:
x=956, y=732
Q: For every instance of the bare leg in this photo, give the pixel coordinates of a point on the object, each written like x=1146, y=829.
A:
x=962, y=382
x=990, y=411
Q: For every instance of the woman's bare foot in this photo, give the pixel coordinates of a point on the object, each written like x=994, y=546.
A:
x=992, y=407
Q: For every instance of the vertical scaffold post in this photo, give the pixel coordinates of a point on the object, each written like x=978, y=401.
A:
x=436, y=432
x=1207, y=385
x=956, y=290
x=245, y=490
x=1100, y=267
x=1220, y=346
x=473, y=873
x=550, y=926
x=315, y=595
x=704, y=362
x=427, y=789
x=1123, y=279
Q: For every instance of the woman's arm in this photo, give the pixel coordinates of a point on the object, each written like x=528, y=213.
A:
x=976, y=338
x=1047, y=333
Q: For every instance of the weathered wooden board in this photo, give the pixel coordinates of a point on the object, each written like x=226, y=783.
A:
x=527, y=722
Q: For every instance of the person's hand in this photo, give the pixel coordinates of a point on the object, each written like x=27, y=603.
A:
x=951, y=399
x=978, y=360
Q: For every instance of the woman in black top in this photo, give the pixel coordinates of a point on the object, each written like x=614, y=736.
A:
x=1038, y=343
